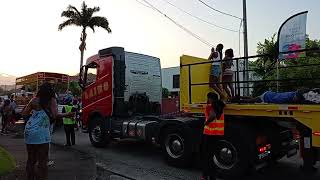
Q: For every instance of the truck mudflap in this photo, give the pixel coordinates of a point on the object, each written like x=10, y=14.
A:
x=138, y=129
x=292, y=148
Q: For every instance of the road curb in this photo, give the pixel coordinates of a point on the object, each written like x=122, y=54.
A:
x=70, y=147
x=104, y=174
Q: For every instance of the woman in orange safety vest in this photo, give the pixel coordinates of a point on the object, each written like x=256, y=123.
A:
x=212, y=132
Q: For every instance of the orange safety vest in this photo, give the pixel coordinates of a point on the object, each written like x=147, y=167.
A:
x=216, y=127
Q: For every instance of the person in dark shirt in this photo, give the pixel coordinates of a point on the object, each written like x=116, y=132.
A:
x=6, y=115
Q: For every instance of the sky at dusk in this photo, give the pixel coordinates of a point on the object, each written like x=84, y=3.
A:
x=30, y=40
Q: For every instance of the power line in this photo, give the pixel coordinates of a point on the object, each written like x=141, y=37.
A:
x=227, y=14
x=179, y=25
x=143, y=4
x=210, y=23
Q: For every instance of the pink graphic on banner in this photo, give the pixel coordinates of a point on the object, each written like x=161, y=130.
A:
x=292, y=47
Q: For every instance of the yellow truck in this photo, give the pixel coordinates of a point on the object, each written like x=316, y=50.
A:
x=255, y=134
x=124, y=100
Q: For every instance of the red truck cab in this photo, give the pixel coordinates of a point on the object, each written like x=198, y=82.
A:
x=117, y=84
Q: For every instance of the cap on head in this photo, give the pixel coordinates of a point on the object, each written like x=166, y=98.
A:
x=68, y=100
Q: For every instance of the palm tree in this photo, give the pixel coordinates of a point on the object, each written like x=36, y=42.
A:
x=84, y=19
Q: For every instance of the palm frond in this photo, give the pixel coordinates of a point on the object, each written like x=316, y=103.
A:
x=91, y=11
x=84, y=8
x=72, y=8
x=95, y=9
x=92, y=27
x=100, y=22
x=68, y=22
x=71, y=15
x=85, y=15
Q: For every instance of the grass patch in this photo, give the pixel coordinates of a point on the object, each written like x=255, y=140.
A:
x=7, y=162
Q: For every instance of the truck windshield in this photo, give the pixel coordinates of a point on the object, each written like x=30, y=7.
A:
x=90, y=74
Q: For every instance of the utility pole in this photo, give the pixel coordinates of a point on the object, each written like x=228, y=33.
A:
x=245, y=48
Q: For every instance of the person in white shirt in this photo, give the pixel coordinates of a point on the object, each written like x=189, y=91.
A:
x=215, y=73
x=227, y=73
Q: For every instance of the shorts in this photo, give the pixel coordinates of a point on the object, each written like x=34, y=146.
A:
x=228, y=72
x=215, y=70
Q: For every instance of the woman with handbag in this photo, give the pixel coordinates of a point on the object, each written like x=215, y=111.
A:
x=37, y=130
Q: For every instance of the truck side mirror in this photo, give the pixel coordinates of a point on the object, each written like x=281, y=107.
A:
x=81, y=82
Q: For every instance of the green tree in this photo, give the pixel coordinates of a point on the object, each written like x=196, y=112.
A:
x=85, y=19
x=75, y=89
x=265, y=68
x=165, y=92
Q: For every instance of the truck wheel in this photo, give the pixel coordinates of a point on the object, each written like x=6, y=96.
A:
x=233, y=153
x=177, y=146
x=98, y=133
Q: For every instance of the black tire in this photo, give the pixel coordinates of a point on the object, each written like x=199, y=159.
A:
x=177, y=146
x=234, y=153
x=98, y=133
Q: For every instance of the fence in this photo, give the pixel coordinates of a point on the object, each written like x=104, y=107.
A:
x=273, y=79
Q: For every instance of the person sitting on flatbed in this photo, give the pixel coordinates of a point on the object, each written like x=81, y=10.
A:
x=276, y=98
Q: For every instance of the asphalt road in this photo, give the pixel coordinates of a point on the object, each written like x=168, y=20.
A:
x=142, y=161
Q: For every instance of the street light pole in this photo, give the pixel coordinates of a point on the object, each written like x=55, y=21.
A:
x=245, y=48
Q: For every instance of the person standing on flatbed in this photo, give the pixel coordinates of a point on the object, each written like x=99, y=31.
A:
x=227, y=73
x=216, y=69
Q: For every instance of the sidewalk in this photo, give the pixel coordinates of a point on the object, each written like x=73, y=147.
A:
x=69, y=163
x=83, y=145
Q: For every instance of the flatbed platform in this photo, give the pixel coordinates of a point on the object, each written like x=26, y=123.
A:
x=309, y=115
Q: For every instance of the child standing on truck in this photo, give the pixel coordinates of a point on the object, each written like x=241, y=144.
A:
x=215, y=72
x=227, y=74
x=213, y=130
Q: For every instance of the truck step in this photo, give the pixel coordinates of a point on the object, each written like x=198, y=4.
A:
x=115, y=133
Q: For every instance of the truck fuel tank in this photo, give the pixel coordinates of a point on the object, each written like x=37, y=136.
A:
x=138, y=129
